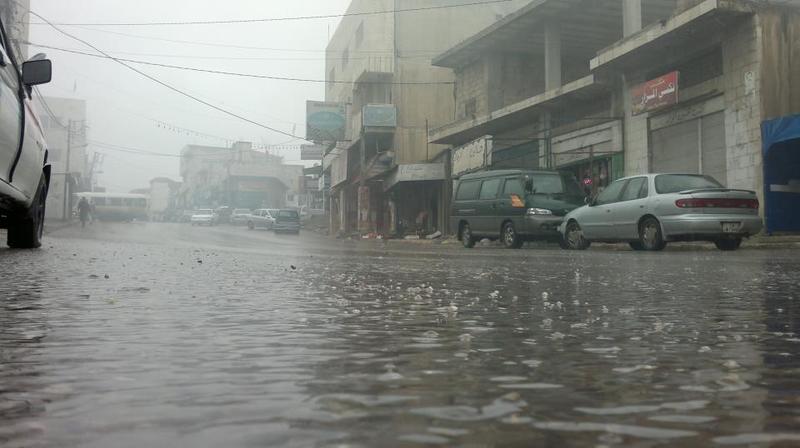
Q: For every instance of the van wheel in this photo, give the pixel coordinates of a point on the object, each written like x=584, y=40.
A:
x=636, y=245
x=574, y=239
x=650, y=236
x=25, y=231
x=466, y=236
x=728, y=245
x=511, y=239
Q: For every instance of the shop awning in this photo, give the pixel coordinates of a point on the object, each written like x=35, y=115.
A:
x=415, y=172
x=779, y=130
x=781, y=152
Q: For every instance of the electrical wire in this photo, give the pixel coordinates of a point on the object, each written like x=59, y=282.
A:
x=168, y=86
x=276, y=19
x=243, y=75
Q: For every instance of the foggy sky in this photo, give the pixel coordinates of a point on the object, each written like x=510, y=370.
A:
x=120, y=101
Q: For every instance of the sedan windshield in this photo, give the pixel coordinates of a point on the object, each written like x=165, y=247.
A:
x=673, y=183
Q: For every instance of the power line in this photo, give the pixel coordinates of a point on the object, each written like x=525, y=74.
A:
x=49, y=111
x=169, y=86
x=275, y=19
x=242, y=75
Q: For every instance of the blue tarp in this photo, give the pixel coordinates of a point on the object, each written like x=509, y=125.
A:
x=781, y=150
x=779, y=130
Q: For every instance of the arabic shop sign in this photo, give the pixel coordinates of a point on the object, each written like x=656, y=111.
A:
x=655, y=94
x=325, y=122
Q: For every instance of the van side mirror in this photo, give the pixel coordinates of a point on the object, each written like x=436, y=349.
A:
x=37, y=72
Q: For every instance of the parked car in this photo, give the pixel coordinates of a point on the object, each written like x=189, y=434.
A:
x=240, y=216
x=203, y=217
x=287, y=221
x=651, y=210
x=262, y=219
x=513, y=205
x=223, y=214
x=24, y=166
x=185, y=215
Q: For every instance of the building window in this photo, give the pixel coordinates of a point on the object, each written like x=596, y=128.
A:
x=471, y=108
x=345, y=57
x=360, y=34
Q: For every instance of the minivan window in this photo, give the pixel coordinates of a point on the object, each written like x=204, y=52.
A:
x=555, y=184
x=513, y=186
x=287, y=214
x=468, y=190
x=489, y=188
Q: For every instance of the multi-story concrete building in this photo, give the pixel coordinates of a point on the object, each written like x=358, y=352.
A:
x=386, y=176
x=65, y=131
x=623, y=87
x=237, y=177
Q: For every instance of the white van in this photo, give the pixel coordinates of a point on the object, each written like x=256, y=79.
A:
x=24, y=170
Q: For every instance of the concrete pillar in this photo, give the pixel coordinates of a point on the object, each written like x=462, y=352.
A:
x=552, y=56
x=631, y=16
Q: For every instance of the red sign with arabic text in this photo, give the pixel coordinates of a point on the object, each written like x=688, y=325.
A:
x=656, y=93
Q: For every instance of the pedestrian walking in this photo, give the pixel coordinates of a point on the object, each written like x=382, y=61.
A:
x=83, y=211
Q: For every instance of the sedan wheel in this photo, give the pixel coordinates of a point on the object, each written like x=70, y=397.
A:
x=466, y=237
x=511, y=239
x=250, y=225
x=574, y=239
x=650, y=236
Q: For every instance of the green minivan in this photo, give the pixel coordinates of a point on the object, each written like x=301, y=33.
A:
x=513, y=205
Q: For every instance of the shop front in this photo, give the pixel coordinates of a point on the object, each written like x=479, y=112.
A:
x=415, y=199
x=593, y=155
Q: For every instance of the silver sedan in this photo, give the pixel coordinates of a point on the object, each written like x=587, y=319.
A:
x=651, y=210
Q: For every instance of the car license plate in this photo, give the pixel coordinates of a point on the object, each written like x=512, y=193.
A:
x=731, y=227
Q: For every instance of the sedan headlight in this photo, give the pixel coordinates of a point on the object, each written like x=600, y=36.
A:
x=539, y=211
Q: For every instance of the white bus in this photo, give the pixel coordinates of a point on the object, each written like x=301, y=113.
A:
x=116, y=206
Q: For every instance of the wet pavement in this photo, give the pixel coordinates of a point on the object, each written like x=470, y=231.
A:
x=134, y=335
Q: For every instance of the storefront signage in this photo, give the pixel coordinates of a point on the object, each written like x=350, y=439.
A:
x=325, y=122
x=655, y=94
x=311, y=152
x=472, y=156
x=416, y=172
x=379, y=116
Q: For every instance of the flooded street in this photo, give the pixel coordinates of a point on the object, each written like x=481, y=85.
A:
x=169, y=335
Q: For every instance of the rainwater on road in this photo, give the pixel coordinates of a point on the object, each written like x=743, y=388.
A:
x=132, y=335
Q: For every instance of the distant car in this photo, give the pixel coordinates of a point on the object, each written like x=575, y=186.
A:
x=223, y=215
x=262, y=219
x=287, y=221
x=240, y=216
x=24, y=164
x=651, y=210
x=185, y=215
x=203, y=217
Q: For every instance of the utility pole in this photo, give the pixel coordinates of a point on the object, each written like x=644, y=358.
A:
x=67, y=201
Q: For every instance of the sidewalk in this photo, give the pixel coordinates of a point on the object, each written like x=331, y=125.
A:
x=54, y=225
x=756, y=242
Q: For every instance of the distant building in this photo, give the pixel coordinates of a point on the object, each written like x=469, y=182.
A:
x=163, y=204
x=64, y=124
x=237, y=177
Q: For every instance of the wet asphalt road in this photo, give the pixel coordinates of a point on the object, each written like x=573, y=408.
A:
x=133, y=335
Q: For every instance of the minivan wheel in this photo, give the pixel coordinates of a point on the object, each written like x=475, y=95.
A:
x=636, y=245
x=25, y=231
x=650, y=236
x=511, y=239
x=728, y=245
x=466, y=237
x=574, y=239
